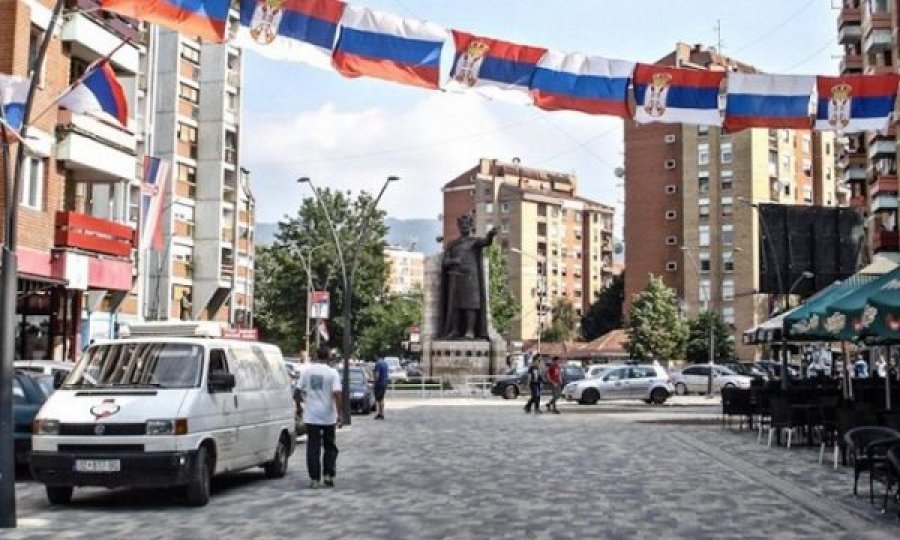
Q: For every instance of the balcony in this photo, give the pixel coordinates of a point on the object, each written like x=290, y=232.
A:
x=858, y=202
x=96, y=34
x=189, y=70
x=882, y=184
x=95, y=235
x=188, y=109
x=851, y=63
x=849, y=25
x=882, y=148
x=231, y=156
x=854, y=173
x=878, y=39
x=879, y=70
x=95, y=146
x=885, y=241
x=186, y=190
x=884, y=203
x=228, y=235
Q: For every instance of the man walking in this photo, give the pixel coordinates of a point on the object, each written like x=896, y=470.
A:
x=380, y=387
x=533, y=378
x=554, y=376
x=320, y=386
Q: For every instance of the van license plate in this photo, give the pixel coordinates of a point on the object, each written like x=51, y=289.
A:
x=98, y=465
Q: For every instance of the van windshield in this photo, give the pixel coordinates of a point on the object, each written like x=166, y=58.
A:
x=157, y=365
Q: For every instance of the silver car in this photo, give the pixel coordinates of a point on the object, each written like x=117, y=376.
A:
x=648, y=383
x=695, y=379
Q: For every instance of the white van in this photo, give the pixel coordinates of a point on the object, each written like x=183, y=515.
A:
x=161, y=412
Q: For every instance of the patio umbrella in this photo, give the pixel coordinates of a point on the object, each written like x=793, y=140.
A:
x=802, y=324
x=851, y=317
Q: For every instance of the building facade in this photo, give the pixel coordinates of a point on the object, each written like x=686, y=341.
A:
x=687, y=194
x=406, y=270
x=557, y=245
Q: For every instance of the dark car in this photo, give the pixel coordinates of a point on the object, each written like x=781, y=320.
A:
x=774, y=369
x=28, y=395
x=747, y=369
x=514, y=384
x=362, y=400
x=414, y=373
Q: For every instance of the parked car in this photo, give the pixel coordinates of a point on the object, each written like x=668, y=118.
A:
x=595, y=370
x=362, y=399
x=774, y=369
x=29, y=394
x=695, y=379
x=414, y=372
x=515, y=384
x=646, y=382
x=747, y=369
x=397, y=374
x=58, y=370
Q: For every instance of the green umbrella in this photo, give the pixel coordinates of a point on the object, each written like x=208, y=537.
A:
x=886, y=304
x=851, y=317
x=803, y=324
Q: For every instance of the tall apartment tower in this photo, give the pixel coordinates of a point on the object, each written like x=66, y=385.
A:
x=206, y=269
x=557, y=244
x=406, y=270
x=867, y=29
x=686, y=218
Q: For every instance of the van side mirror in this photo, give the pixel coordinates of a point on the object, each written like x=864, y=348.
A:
x=59, y=377
x=220, y=381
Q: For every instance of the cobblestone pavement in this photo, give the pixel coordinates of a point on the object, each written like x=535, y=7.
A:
x=484, y=469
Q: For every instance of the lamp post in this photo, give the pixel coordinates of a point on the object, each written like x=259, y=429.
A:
x=542, y=292
x=712, y=328
x=306, y=262
x=347, y=275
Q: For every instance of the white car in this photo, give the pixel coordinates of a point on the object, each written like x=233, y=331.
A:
x=595, y=370
x=645, y=382
x=695, y=379
x=43, y=367
x=397, y=374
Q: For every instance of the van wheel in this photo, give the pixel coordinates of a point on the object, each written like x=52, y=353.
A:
x=197, y=490
x=277, y=468
x=59, y=494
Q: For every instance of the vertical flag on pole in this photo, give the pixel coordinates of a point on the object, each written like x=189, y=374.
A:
x=99, y=93
x=13, y=91
x=153, y=197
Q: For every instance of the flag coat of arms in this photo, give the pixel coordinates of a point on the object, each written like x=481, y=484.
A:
x=677, y=96
x=294, y=30
x=493, y=68
x=153, y=196
x=769, y=101
x=576, y=82
x=201, y=18
x=388, y=47
x=856, y=103
x=13, y=92
x=99, y=94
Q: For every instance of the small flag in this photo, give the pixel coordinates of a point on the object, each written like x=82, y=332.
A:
x=768, y=101
x=856, y=103
x=98, y=93
x=388, y=47
x=322, y=329
x=577, y=82
x=153, y=197
x=201, y=18
x=294, y=30
x=13, y=93
x=677, y=96
x=493, y=68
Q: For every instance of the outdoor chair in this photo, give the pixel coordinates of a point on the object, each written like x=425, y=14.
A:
x=826, y=422
x=783, y=418
x=762, y=409
x=735, y=402
x=892, y=470
x=867, y=447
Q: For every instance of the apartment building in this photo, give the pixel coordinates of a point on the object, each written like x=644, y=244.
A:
x=406, y=270
x=686, y=189
x=868, y=29
x=557, y=245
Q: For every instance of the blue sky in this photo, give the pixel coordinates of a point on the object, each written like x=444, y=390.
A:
x=352, y=133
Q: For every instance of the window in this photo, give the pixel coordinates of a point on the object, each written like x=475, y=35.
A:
x=671, y=214
x=702, y=131
x=542, y=229
x=489, y=208
x=671, y=266
x=728, y=261
x=703, y=154
x=504, y=208
x=807, y=193
x=727, y=234
x=504, y=226
x=190, y=54
x=704, y=262
x=33, y=183
x=727, y=178
x=187, y=174
x=669, y=138
x=728, y=314
x=728, y=289
x=703, y=181
x=704, y=206
x=669, y=164
x=187, y=133
x=727, y=208
x=703, y=290
x=671, y=189
x=787, y=188
x=703, y=231
x=726, y=153
x=34, y=47
x=671, y=240
x=189, y=93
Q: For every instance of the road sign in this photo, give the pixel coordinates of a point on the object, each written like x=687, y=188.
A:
x=414, y=336
x=318, y=305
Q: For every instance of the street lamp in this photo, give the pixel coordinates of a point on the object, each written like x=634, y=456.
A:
x=712, y=329
x=306, y=262
x=542, y=292
x=347, y=276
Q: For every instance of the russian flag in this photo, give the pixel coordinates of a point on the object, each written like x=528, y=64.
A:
x=98, y=93
x=494, y=68
x=201, y=18
x=577, y=82
x=388, y=47
x=677, y=96
x=856, y=103
x=769, y=101
x=13, y=92
x=153, y=196
x=294, y=30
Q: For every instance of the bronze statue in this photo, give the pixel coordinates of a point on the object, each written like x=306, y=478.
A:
x=464, y=292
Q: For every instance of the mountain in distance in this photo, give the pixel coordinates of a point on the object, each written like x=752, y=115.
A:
x=416, y=234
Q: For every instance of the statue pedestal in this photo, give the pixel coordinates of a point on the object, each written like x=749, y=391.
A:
x=454, y=360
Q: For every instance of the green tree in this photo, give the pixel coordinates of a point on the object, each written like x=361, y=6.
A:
x=698, y=338
x=605, y=313
x=564, y=324
x=385, y=325
x=504, y=307
x=281, y=280
x=655, y=331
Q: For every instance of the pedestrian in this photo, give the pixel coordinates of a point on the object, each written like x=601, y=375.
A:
x=881, y=368
x=554, y=377
x=380, y=387
x=533, y=378
x=860, y=368
x=321, y=389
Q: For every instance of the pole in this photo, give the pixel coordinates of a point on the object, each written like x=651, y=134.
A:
x=712, y=350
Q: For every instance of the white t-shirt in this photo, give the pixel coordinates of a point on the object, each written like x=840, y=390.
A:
x=318, y=384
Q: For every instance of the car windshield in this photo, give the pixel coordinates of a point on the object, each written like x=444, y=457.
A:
x=599, y=373
x=158, y=365
x=357, y=377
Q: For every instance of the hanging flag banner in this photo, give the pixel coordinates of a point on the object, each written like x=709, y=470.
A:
x=293, y=30
x=493, y=68
x=153, y=196
x=202, y=18
x=576, y=82
x=769, y=101
x=13, y=91
x=856, y=103
x=677, y=96
x=98, y=94
x=388, y=47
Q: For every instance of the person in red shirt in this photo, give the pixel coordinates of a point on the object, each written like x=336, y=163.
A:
x=554, y=376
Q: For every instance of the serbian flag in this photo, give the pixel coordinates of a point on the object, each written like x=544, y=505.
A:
x=13, y=92
x=98, y=93
x=496, y=69
x=153, y=196
x=293, y=30
x=677, y=96
x=855, y=103
x=202, y=18
x=577, y=82
x=768, y=101
x=388, y=47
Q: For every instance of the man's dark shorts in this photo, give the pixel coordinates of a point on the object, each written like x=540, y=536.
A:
x=379, y=392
